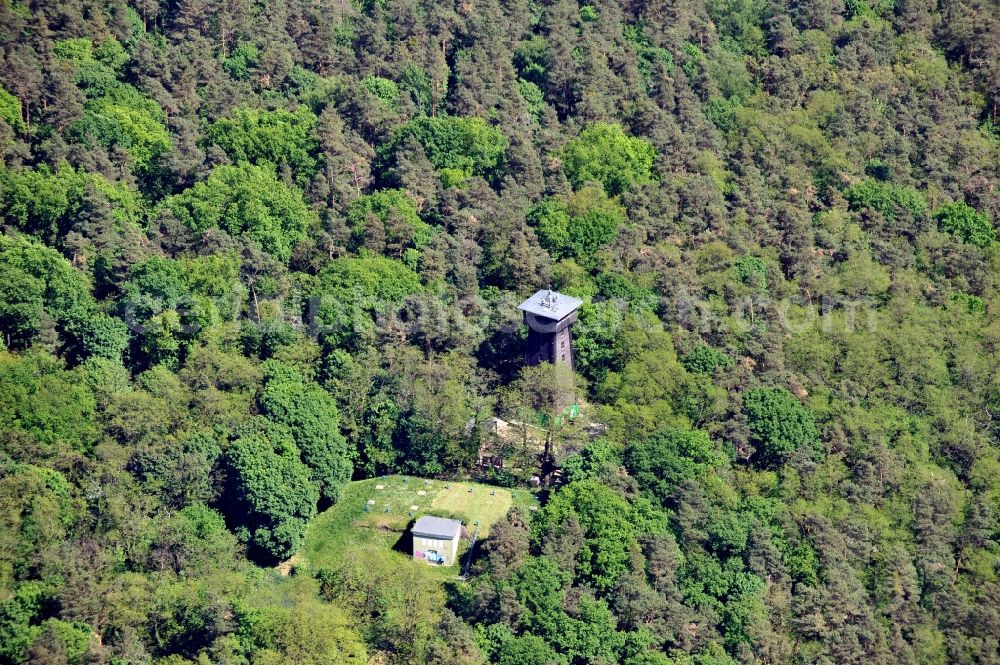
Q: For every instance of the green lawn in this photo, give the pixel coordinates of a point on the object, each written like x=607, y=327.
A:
x=387, y=594
x=349, y=530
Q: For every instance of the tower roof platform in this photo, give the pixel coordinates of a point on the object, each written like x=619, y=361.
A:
x=550, y=304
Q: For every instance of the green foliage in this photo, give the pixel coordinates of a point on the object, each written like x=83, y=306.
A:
x=779, y=424
x=973, y=304
x=578, y=226
x=621, y=288
x=369, y=280
x=877, y=9
x=723, y=113
x=311, y=633
x=726, y=66
x=651, y=383
x=37, y=512
x=70, y=639
x=78, y=49
x=173, y=301
x=10, y=111
x=878, y=169
x=199, y=536
x=110, y=53
x=533, y=96
x=527, y=650
x=803, y=564
x=211, y=299
x=590, y=636
x=126, y=119
x=962, y=220
x=594, y=338
x=693, y=61
x=128, y=208
x=670, y=457
x=100, y=336
x=277, y=138
x=599, y=457
x=312, y=417
x=38, y=290
x=385, y=89
x=652, y=59
x=531, y=59
x=608, y=526
x=752, y=271
x=245, y=200
x=742, y=21
x=434, y=435
x=53, y=406
x=272, y=497
x=18, y=616
x=414, y=81
x=22, y=305
x=38, y=200
x=459, y=147
x=353, y=289
x=705, y=360
x=48, y=203
x=887, y=198
x=389, y=214
x=540, y=584
x=97, y=65
x=604, y=153
x=551, y=221
x=244, y=58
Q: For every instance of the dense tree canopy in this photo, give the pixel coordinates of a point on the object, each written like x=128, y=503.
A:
x=604, y=153
x=311, y=415
x=779, y=425
x=245, y=200
x=272, y=496
x=251, y=251
x=458, y=147
x=962, y=220
x=278, y=138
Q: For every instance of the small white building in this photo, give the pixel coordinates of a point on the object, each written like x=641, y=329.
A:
x=435, y=540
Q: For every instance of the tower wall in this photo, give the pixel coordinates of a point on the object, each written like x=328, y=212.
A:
x=549, y=340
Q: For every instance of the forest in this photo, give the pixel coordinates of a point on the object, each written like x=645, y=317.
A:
x=255, y=250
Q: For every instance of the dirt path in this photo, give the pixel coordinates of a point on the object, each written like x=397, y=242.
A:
x=285, y=567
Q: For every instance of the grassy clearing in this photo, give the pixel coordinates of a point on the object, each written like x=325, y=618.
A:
x=382, y=587
x=348, y=528
x=483, y=504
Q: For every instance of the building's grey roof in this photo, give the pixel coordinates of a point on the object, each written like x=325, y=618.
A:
x=550, y=304
x=436, y=527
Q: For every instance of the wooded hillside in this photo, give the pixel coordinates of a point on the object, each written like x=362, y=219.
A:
x=253, y=250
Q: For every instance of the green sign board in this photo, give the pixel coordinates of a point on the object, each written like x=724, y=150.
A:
x=571, y=412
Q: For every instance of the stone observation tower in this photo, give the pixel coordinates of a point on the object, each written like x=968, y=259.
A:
x=549, y=315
